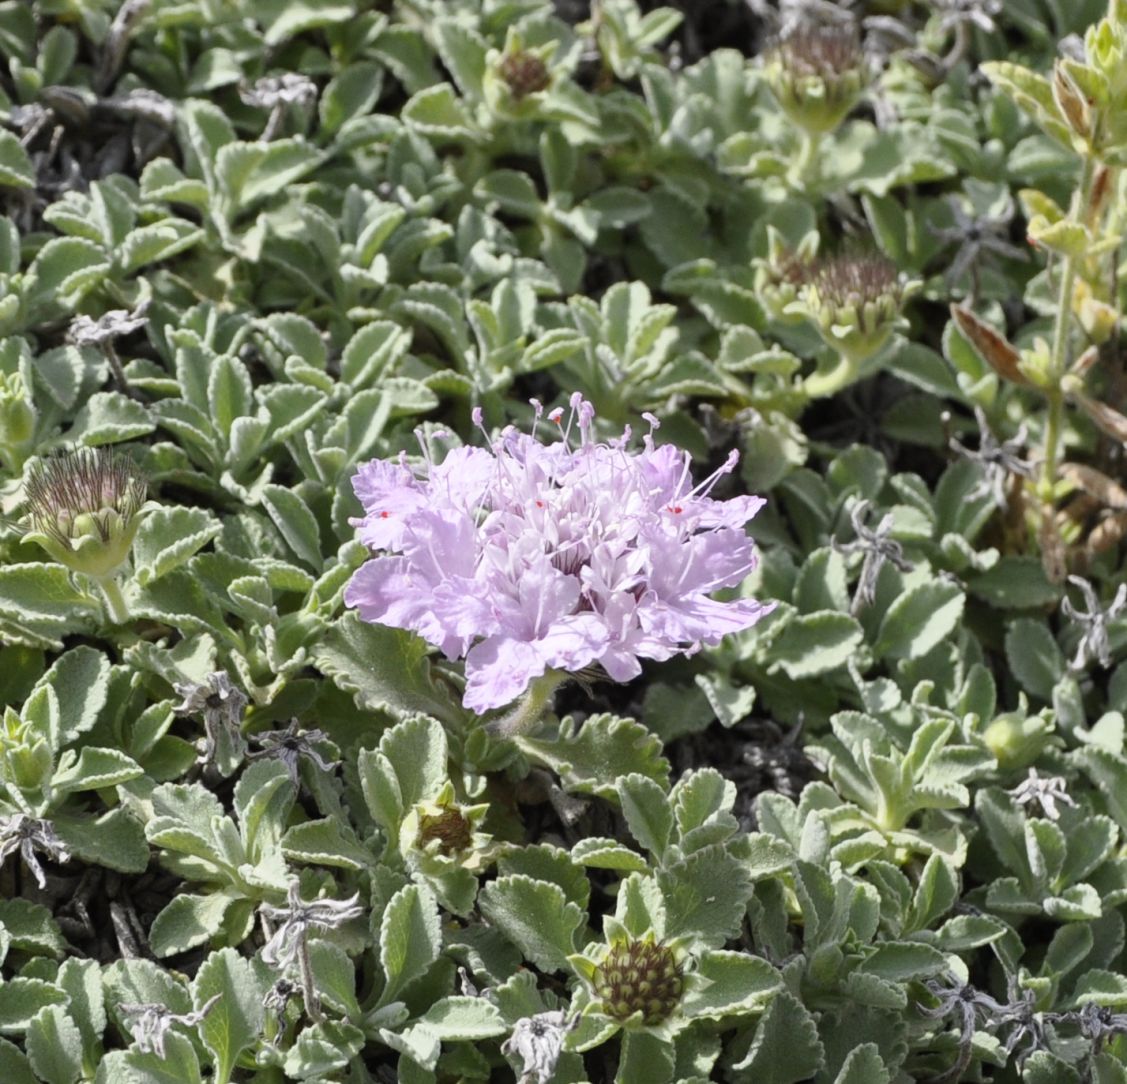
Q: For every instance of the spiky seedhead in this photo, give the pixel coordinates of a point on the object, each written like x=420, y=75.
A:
x=83, y=508
x=855, y=298
x=817, y=72
x=525, y=73
x=640, y=976
x=446, y=827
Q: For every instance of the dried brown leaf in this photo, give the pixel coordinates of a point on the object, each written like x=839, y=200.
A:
x=993, y=347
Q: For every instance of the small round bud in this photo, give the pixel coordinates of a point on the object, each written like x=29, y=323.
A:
x=524, y=73
x=84, y=508
x=451, y=831
x=639, y=976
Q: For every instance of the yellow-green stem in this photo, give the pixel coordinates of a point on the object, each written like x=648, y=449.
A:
x=1059, y=357
x=117, y=609
x=805, y=172
x=821, y=385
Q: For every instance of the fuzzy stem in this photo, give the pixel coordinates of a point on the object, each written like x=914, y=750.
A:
x=1059, y=356
x=821, y=385
x=117, y=609
x=308, y=989
x=805, y=172
x=527, y=711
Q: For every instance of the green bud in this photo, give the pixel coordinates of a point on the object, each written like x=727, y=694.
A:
x=1016, y=741
x=516, y=78
x=84, y=508
x=640, y=976
x=817, y=74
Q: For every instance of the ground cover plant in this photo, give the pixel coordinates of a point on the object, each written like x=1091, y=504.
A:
x=560, y=542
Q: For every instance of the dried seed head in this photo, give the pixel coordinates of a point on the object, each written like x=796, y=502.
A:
x=83, y=508
x=452, y=831
x=640, y=976
x=525, y=73
x=817, y=72
x=855, y=299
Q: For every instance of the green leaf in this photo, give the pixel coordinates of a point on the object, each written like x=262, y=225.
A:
x=600, y=853
x=864, y=1066
x=188, y=921
x=919, y=619
x=180, y=1064
x=54, y=1046
x=21, y=1000
x=94, y=769
x=384, y=669
x=705, y=896
x=115, y=839
x=535, y=915
x=235, y=1021
x=81, y=679
x=1034, y=657
x=735, y=983
x=372, y=353
x=251, y=172
x=14, y=1066
x=1014, y=583
x=648, y=812
x=296, y=523
x=410, y=939
x=16, y=170
x=31, y=928
x=592, y=758
x=817, y=643
x=464, y=1019
x=901, y=961
x=786, y=1048
x=167, y=537
x=326, y=842
x=109, y=417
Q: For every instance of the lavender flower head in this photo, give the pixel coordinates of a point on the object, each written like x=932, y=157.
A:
x=530, y=558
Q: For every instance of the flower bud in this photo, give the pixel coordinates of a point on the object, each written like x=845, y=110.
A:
x=26, y=759
x=442, y=833
x=516, y=77
x=780, y=277
x=1016, y=741
x=84, y=508
x=817, y=74
x=639, y=976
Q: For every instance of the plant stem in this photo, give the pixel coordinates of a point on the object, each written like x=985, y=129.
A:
x=117, y=609
x=1059, y=356
x=527, y=711
x=805, y=172
x=308, y=988
x=821, y=385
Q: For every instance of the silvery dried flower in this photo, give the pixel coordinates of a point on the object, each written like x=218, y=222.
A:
x=289, y=944
x=84, y=507
x=1000, y=460
x=792, y=13
x=278, y=93
x=101, y=333
x=276, y=1001
x=144, y=104
x=1094, y=641
x=1098, y=1022
x=290, y=745
x=954, y=14
x=538, y=1041
x=878, y=547
x=1045, y=791
x=817, y=73
x=221, y=704
x=977, y=235
x=150, y=1023
x=28, y=835
x=86, y=331
x=966, y=1004
x=116, y=42
x=537, y=560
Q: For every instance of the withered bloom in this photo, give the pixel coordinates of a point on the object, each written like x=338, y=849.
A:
x=84, y=508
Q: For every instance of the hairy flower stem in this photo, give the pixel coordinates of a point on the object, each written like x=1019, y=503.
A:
x=117, y=609
x=308, y=987
x=821, y=385
x=1059, y=357
x=805, y=172
x=527, y=711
